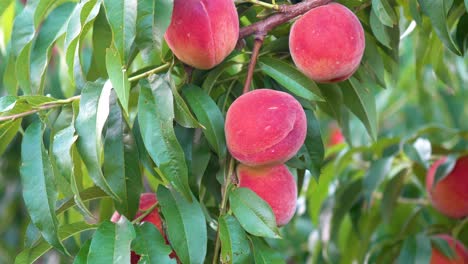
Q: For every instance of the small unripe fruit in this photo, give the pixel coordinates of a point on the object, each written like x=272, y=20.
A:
x=202, y=33
x=461, y=253
x=450, y=195
x=275, y=185
x=327, y=43
x=265, y=127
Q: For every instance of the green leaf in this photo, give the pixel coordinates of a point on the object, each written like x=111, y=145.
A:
x=385, y=12
x=7, y=17
x=4, y=5
x=420, y=151
x=290, y=78
x=186, y=227
x=380, y=31
x=79, y=23
x=314, y=145
x=21, y=42
x=375, y=175
x=390, y=196
x=102, y=38
x=8, y=131
x=436, y=11
x=253, y=213
x=210, y=117
x=39, y=192
x=155, y=117
x=416, y=249
x=444, y=247
x=62, y=152
x=361, y=102
x=94, y=110
x=183, y=116
x=82, y=256
x=263, y=254
x=121, y=162
x=150, y=245
x=144, y=24
x=92, y=193
x=234, y=243
x=118, y=76
x=211, y=78
x=30, y=255
x=111, y=242
x=445, y=168
x=51, y=29
x=162, y=19
x=122, y=17
x=372, y=61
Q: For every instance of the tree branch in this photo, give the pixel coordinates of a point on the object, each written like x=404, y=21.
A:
x=286, y=13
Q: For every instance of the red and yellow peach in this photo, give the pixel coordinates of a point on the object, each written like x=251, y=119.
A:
x=327, y=43
x=202, y=33
x=265, y=127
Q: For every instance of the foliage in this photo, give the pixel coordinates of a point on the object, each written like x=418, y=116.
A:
x=96, y=109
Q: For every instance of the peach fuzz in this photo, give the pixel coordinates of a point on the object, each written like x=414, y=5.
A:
x=327, y=43
x=275, y=185
x=461, y=253
x=202, y=33
x=450, y=195
x=265, y=127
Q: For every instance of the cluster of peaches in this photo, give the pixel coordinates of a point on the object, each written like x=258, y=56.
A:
x=265, y=128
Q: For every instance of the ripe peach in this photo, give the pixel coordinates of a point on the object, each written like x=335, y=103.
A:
x=265, y=127
x=327, y=43
x=273, y=184
x=202, y=33
x=147, y=200
x=450, y=195
x=461, y=253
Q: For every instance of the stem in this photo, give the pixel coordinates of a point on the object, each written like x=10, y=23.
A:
x=260, y=3
x=222, y=210
x=253, y=60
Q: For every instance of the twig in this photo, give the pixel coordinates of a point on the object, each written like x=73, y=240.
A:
x=59, y=103
x=403, y=200
x=259, y=37
x=260, y=3
x=40, y=108
x=286, y=13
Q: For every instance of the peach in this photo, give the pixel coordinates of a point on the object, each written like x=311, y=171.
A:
x=461, y=253
x=265, y=127
x=327, y=43
x=336, y=137
x=147, y=200
x=450, y=195
x=202, y=33
x=275, y=185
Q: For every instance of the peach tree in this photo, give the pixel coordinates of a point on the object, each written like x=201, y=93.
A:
x=222, y=131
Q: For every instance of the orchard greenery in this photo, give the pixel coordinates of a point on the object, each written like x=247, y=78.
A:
x=114, y=150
